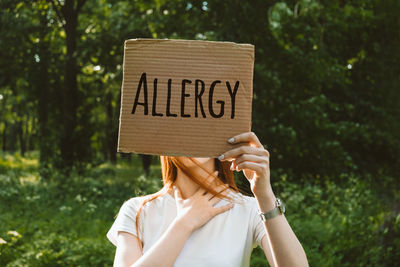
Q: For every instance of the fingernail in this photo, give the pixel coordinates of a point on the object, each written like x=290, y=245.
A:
x=221, y=157
x=231, y=140
x=231, y=167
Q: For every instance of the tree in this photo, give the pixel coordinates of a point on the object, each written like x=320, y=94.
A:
x=67, y=12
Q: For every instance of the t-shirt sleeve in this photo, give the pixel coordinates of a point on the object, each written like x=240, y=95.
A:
x=125, y=221
x=258, y=226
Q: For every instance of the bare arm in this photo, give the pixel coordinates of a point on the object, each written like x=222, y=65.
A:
x=129, y=252
x=280, y=245
x=192, y=213
x=128, y=249
x=163, y=253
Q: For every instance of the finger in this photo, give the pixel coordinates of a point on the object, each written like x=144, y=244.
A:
x=214, y=200
x=221, y=209
x=223, y=191
x=222, y=188
x=249, y=137
x=257, y=167
x=177, y=194
x=251, y=158
x=207, y=195
x=236, y=152
x=219, y=188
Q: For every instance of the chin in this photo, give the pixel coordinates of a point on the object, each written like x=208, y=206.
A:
x=190, y=163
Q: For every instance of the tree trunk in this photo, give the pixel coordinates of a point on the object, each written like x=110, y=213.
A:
x=112, y=133
x=27, y=133
x=20, y=133
x=12, y=138
x=70, y=90
x=146, y=162
x=44, y=98
x=13, y=127
x=4, y=137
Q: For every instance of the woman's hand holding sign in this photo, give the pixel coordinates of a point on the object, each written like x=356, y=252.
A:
x=253, y=160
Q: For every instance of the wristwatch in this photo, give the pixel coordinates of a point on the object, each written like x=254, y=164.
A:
x=278, y=210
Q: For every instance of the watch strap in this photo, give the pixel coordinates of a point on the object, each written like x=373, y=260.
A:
x=278, y=210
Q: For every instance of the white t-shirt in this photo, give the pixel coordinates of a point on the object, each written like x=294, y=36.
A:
x=226, y=240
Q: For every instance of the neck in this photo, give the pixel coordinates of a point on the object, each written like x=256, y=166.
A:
x=187, y=186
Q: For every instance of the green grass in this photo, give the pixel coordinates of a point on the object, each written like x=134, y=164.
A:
x=64, y=222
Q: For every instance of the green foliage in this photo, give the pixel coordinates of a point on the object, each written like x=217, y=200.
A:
x=325, y=83
x=53, y=249
x=337, y=223
x=64, y=222
x=325, y=103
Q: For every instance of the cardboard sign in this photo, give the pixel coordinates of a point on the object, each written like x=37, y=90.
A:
x=184, y=98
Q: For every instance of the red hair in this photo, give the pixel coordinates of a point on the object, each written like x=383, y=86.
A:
x=170, y=166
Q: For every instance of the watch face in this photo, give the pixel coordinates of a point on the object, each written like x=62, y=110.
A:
x=280, y=205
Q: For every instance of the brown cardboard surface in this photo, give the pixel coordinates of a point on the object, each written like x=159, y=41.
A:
x=173, y=125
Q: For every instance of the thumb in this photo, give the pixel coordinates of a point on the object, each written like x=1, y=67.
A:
x=177, y=194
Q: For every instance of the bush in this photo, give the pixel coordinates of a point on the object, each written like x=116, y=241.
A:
x=339, y=225
x=65, y=223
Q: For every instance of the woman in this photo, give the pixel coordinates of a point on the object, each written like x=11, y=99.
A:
x=200, y=219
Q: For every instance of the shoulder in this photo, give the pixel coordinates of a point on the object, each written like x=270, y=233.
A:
x=133, y=202
x=132, y=205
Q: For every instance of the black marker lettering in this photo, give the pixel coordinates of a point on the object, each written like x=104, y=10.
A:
x=169, y=114
x=184, y=82
x=233, y=95
x=154, y=112
x=143, y=81
x=210, y=102
x=198, y=97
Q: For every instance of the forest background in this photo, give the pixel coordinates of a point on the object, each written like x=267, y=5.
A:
x=326, y=103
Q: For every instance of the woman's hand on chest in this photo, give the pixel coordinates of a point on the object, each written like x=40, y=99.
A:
x=198, y=209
